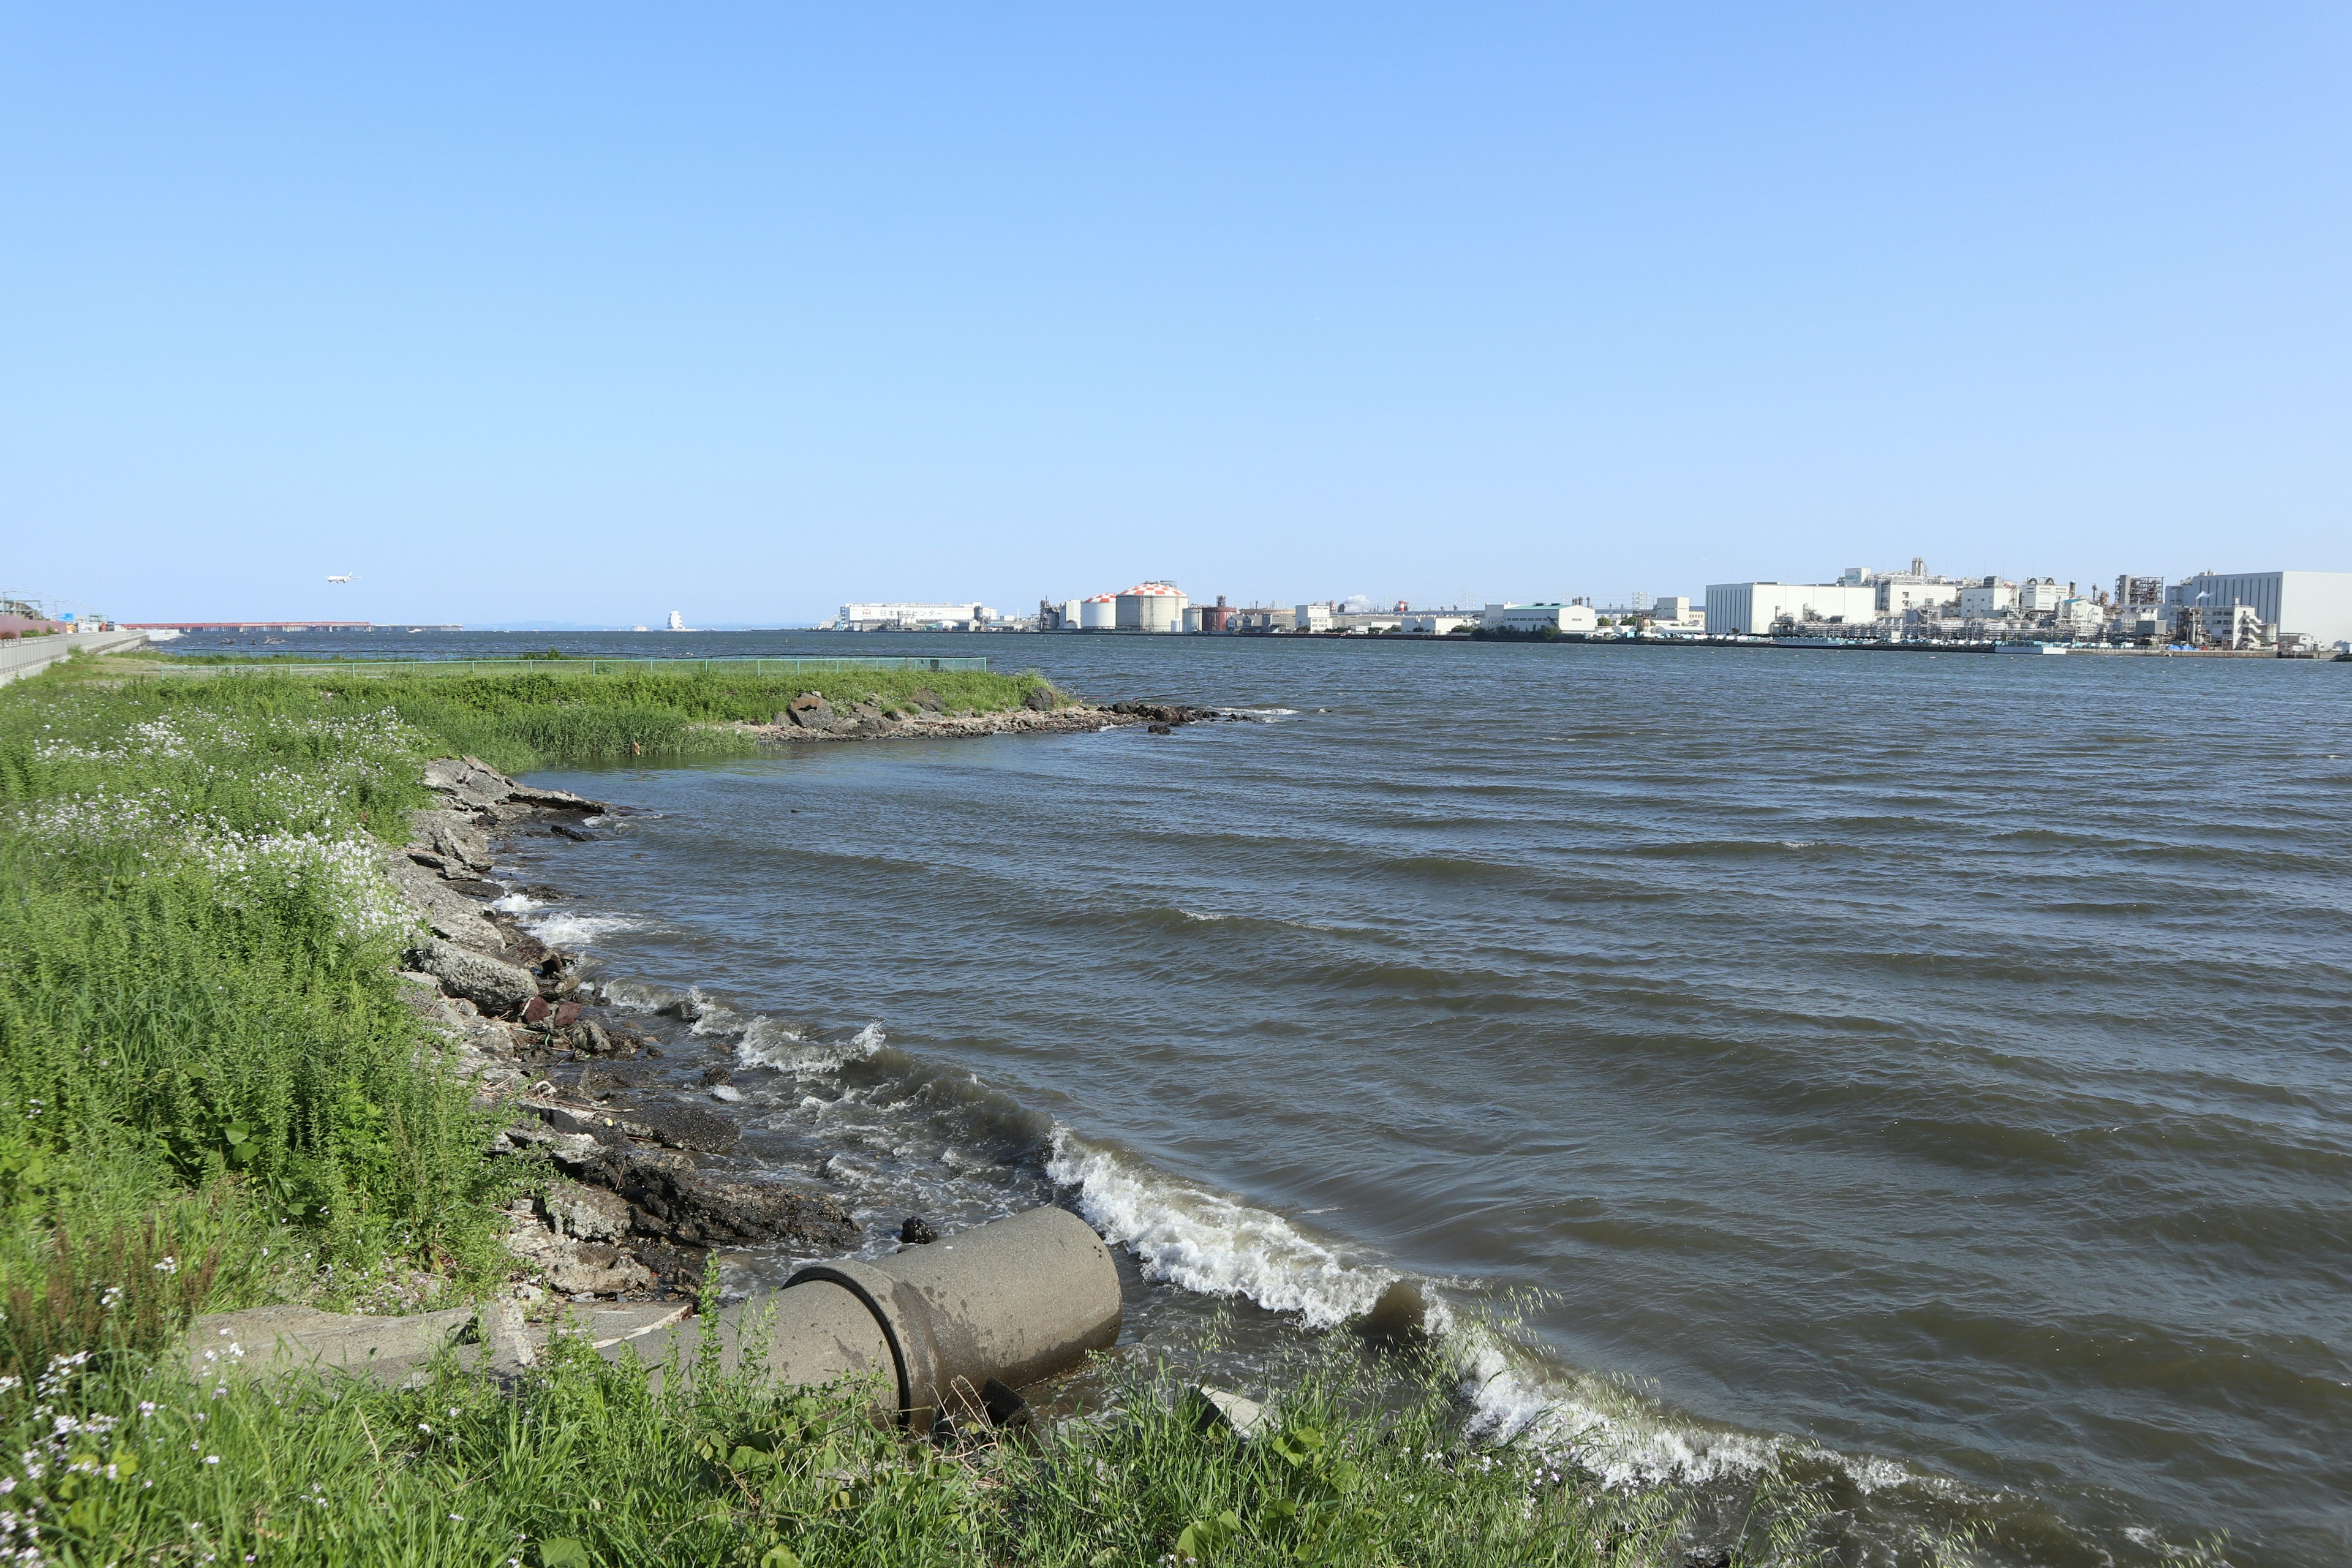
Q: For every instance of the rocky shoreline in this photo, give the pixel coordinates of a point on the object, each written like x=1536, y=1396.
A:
x=812, y=717
x=645, y=1190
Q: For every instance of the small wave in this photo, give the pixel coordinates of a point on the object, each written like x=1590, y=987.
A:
x=768, y=1044
x=576, y=930
x=1204, y=1242
x=637, y=996
x=515, y=904
x=1211, y=1244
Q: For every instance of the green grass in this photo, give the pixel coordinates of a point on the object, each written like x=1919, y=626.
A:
x=1363, y=1464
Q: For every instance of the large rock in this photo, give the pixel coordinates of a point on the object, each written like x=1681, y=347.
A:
x=587, y=1214
x=448, y=913
x=470, y=782
x=810, y=710
x=670, y=1199
x=1038, y=698
x=554, y=800
x=490, y=984
x=449, y=841
x=689, y=1127
x=578, y=1267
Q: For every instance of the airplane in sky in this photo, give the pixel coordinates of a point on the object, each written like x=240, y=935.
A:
x=344, y=578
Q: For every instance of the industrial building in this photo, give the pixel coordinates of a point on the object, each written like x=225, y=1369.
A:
x=1209, y=620
x=1151, y=607
x=1511, y=617
x=2316, y=606
x=895, y=616
x=1750, y=609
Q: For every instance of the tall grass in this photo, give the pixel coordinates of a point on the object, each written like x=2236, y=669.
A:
x=529, y=719
x=204, y=1062
x=581, y=1464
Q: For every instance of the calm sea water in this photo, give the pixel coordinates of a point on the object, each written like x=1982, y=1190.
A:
x=1932, y=1072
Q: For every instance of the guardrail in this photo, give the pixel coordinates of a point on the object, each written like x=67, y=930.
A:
x=744, y=666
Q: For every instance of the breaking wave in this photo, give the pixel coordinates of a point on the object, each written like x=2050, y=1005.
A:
x=577, y=930
x=768, y=1044
x=1199, y=1240
x=1206, y=1242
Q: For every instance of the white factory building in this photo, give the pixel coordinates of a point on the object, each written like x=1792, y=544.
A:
x=1539, y=617
x=889, y=616
x=1736, y=609
x=2315, y=605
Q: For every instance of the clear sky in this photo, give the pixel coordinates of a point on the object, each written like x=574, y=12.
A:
x=589, y=312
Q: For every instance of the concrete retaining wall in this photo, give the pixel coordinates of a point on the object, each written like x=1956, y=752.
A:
x=30, y=655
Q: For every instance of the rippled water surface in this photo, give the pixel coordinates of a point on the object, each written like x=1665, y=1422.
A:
x=1940, y=1062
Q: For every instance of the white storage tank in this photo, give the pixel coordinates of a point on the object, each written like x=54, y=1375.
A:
x=1152, y=607
x=1099, y=613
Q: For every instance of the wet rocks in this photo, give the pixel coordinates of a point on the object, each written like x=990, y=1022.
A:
x=1166, y=713
x=689, y=1127
x=916, y=1231
x=670, y=1200
x=577, y=835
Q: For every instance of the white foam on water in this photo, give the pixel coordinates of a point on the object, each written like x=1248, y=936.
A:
x=637, y=996
x=577, y=930
x=516, y=903
x=1211, y=1244
x=1206, y=1242
x=768, y=1044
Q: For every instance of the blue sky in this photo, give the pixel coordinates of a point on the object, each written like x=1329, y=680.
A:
x=588, y=312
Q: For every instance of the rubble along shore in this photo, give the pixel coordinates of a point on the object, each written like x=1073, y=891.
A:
x=646, y=1189
x=812, y=717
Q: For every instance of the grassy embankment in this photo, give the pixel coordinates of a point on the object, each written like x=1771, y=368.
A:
x=558, y=714
x=210, y=1096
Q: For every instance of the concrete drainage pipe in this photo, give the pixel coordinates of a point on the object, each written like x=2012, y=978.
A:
x=1017, y=1299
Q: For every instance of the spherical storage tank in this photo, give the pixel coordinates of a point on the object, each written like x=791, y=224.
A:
x=1152, y=607
x=1099, y=613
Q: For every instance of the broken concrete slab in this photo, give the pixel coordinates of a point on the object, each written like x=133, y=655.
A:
x=274, y=1341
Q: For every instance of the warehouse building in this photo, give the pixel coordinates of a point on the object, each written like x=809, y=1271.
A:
x=1539, y=617
x=1748, y=609
x=2314, y=605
